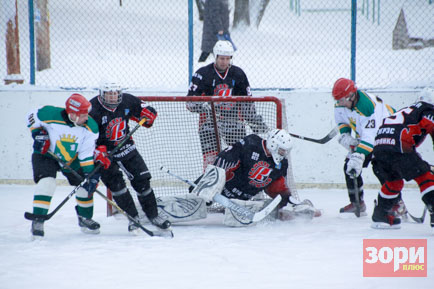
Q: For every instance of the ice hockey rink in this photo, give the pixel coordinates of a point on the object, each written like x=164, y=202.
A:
x=325, y=252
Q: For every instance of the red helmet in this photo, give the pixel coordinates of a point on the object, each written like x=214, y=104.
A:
x=77, y=104
x=343, y=87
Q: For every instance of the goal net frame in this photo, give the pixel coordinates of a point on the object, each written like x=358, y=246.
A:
x=168, y=129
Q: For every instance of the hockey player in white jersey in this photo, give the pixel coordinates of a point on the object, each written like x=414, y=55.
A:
x=359, y=112
x=69, y=133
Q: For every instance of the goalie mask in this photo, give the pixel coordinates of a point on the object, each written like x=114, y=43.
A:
x=279, y=144
x=110, y=94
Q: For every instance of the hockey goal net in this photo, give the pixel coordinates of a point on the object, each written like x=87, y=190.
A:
x=179, y=142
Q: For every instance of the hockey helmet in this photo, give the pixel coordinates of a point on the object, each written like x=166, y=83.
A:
x=279, y=144
x=77, y=104
x=110, y=94
x=343, y=88
x=224, y=48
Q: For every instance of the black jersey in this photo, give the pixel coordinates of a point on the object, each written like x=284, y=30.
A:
x=249, y=169
x=406, y=129
x=208, y=81
x=113, y=124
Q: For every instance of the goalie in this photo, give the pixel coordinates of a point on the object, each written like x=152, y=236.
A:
x=250, y=166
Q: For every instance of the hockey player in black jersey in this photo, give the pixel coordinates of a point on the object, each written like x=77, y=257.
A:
x=221, y=78
x=396, y=159
x=253, y=165
x=112, y=109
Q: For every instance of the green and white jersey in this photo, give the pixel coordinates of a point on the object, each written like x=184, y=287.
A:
x=73, y=144
x=364, y=119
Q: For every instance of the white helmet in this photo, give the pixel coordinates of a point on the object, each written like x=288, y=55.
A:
x=279, y=144
x=223, y=47
x=426, y=95
x=110, y=86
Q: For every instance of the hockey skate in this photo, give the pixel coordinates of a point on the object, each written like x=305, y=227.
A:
x=351, y=208
x=37, y=229
x=88, y=226
x=400, y=210
x=161, y=223
x=384, y=219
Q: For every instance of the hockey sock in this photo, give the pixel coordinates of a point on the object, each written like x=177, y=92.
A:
x=149, y=204
x=391, y=189
x=43, y=193
x=125, y=202
x=84, y=203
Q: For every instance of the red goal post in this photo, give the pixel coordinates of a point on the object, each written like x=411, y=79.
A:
x=173, y=141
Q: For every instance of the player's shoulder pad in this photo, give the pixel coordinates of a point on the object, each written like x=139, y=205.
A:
x=252, y=139
x=91, y=125
x=50, y=113
x=204, y=70
x=236, y=70
x=365, y=106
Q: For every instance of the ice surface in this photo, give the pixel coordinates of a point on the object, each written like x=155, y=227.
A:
x=324, y=253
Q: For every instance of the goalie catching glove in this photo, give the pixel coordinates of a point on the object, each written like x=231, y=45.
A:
x=100, y=156
x=211, y=183
x=41, y=142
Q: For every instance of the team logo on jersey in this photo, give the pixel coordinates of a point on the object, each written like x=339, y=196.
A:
x=259, y=174
x=66, y=146
x=116, y=129
x=222, y=90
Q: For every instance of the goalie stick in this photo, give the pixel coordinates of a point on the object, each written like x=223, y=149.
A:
x=227, y=203
x=167, y=233
x=323, y=140
x=32, y=217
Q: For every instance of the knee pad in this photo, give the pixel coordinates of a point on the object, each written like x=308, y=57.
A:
x=44, y=191
x=142, y=185
x=115, y=184
x=391, y=189
x=125, y=201
x=46, y=187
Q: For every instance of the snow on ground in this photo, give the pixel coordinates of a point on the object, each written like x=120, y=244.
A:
x=324, y=253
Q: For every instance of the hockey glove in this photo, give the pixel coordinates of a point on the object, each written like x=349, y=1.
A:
x=150, y=114
x=100, y=156
x=355, y=164
x=41, y=142
x=91, y=184
x=348, y=142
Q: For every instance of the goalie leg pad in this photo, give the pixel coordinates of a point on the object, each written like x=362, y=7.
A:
x=234, y=219
x=183, y=208
x=212, y=183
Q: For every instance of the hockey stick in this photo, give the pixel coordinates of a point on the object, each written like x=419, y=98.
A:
x=323, y=140
x=356, y=193
x=167, y=233
x=31, y=216
x=227, y=203
x=416, y=219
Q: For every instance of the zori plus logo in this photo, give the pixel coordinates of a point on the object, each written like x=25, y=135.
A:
x=395, y=258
